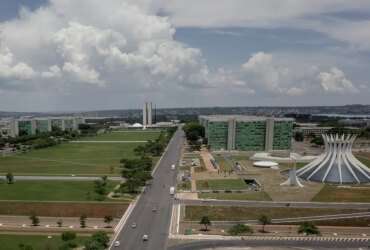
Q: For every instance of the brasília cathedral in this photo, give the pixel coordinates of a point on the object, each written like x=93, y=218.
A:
x=337, y=164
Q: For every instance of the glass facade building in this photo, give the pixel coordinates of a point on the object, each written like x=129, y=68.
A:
x=247, y=133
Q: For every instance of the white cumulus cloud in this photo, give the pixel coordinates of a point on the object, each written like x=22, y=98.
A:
x=335, y=81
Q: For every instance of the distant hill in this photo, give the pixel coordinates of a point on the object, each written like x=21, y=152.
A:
x=173, y=113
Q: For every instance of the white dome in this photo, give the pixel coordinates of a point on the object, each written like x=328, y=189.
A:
x=265, y=164
x=137, y=125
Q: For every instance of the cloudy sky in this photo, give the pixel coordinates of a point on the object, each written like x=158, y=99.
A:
x=58, y=55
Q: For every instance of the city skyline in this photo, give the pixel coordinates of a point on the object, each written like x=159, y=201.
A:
x=54, y=57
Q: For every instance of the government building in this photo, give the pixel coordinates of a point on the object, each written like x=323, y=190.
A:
x=32, y=126
x=247, y=133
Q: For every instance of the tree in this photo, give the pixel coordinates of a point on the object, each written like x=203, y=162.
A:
x=108, y=219
x=60, y=223
x=68, y=236
x=83, y=221
x=264, y=220
x=9, y=178
x=240, y=229
x=25, y=247
x=308, y=228
x=319, y=141
x=101, y=237
x=35, y=221
x=298, y=136
x=193, y=132
x=205, y=221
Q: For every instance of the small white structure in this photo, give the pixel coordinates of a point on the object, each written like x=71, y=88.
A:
x=337, y=164
x=292, y=179
x=136, y=125
x=265, y=164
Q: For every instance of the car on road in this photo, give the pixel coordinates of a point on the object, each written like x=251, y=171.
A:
x=145, y=237
x=133, y=225
x=172, y=190
x=154, y=209
x=173, y=167
x=117, y=243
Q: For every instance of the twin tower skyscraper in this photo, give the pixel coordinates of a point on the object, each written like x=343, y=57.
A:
x=147, y=114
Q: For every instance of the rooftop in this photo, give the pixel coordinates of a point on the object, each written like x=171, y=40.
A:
x=248, y=118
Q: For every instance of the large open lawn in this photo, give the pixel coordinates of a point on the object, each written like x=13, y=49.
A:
x=50, y=190
x=219, y=213
x=333, y=193
x=70, y=158
x=37, y=242
x=255, y=196
x=78, y=158
x=125, y=136
x=221, y=184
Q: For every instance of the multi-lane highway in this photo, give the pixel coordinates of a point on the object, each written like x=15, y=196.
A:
x=155, y=224
x=273, y=204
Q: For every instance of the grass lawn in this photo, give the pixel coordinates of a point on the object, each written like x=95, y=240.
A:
x=38, y=242
x=364, y=160
x=184, y=185
x=70, y=158
x=255, y=196
x=50, y=190
x=332, y=193
x=124, y=136
x=221, y=184
x=219, y=213
x=225, y=165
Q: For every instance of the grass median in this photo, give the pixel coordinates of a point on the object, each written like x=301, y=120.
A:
x=51, y=190
x=333, y=193
x=37, y=242
x=230, y=213
x=252, y=195
x=221, y=184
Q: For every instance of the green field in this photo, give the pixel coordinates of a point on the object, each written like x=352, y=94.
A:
x=70, y=158
x=364, y=160
x=221, y=184
x=125, y=136
x=255, y=196
x=332, y=193
x=220, y=213
x=50, y=190
x=77, y=158
x=38, y=242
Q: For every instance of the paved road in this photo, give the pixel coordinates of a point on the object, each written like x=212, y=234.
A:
x=274, y=204
x=154, y=224
x=302, y=244
x=108, y=141
x=62, y=178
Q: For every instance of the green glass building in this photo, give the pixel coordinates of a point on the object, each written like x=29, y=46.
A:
x=247, y=133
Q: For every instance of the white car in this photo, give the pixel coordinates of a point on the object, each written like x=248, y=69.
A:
x=133, y=225
x=173, y=167
x=117, y=243
x=145, y=237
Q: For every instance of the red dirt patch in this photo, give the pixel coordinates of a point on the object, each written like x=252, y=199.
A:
x=63, y=209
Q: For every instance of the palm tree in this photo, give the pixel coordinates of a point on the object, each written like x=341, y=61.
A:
x=108, y=219
x=308, y=228
x=205, y=221
x=264, y=220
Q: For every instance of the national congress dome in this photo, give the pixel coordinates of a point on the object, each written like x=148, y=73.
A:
x=337, y=164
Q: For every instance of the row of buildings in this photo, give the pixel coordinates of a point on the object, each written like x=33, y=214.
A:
x=247, y=133
x=32, y=126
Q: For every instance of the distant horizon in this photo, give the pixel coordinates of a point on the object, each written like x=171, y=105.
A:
x=195, y=107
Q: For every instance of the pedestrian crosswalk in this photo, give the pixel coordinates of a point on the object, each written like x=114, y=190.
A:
x=305, y=238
